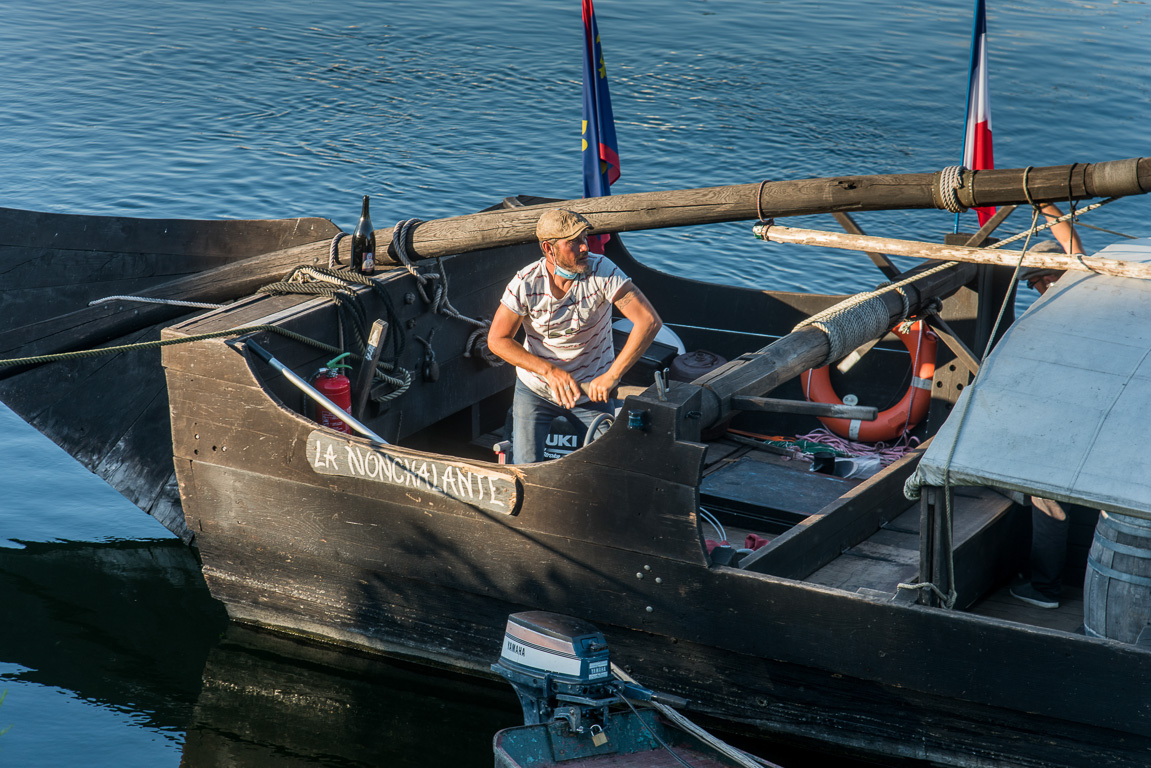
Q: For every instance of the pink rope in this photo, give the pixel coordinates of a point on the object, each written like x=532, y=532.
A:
x=887, y=453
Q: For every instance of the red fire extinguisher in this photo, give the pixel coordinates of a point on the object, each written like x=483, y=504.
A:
x=335, y=386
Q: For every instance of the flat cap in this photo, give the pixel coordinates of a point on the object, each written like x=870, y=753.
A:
x=558, y=224
x=1031, y=274
x=1047, y=246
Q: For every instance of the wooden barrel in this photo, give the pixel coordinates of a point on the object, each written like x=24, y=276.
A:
x=1117, y=590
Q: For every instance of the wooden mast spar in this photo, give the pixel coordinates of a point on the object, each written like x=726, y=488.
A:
x=619, y=213
x=745, y=202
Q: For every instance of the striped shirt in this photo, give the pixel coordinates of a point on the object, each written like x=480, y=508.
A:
x=572, y=333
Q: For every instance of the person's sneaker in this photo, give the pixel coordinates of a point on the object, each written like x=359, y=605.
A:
x=1033, y=596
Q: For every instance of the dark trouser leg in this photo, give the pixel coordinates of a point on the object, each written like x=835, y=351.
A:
x=1048, y=552
x=531, y=418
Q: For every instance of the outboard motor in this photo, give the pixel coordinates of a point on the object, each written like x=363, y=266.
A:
x=560, y=669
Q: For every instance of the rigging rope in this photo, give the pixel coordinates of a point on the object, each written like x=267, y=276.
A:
x=1047, y=225
x=476, y=344
x=384, y=371
x=737, y=755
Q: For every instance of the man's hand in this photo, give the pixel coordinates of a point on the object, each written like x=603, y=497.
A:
x=600, y=388
x=564, y=388
x=501, y=341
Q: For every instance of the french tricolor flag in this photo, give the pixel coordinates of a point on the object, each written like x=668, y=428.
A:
x=977, y=153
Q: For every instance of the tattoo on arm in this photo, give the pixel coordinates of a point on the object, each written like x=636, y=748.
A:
x=626, y=299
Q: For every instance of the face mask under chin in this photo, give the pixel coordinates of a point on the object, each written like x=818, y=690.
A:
x=567, y=274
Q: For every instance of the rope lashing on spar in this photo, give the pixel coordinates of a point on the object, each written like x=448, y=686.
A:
x=861, y=318
x=1048, y=224
x=759, y=203
x=950, y=182
x=476, y=345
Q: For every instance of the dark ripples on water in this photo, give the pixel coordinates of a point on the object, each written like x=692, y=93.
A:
x=212, y=109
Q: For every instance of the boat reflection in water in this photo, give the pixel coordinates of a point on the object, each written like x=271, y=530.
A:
x=269, y=700
x=129, y=627
x=124, y=626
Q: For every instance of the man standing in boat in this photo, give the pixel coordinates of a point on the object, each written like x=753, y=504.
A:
x=1066, y=241
x=566, y=365
x=1049, y=522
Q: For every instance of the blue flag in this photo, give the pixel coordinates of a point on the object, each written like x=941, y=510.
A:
x=600, y=151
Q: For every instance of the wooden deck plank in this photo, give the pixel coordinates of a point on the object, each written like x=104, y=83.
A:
x=1068, y=617
x=879, y=563
x=846, y=521
x=891, y=554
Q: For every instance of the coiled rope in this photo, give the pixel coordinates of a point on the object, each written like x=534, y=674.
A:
x=1074, y=214
x=476, y=344
x=337, y=286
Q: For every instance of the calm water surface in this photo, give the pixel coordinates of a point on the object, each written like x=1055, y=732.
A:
x=111, y=653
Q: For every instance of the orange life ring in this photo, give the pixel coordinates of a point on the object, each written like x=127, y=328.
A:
x=897, y=419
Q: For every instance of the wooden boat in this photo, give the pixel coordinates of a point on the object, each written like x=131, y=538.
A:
x=423, y=545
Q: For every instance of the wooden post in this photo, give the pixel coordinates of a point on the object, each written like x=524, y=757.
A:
x=941, y=555
x=934, y=544
x=928, y=511
x=363, y=385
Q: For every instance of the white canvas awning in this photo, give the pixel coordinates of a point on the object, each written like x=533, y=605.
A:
x=1062, y=406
